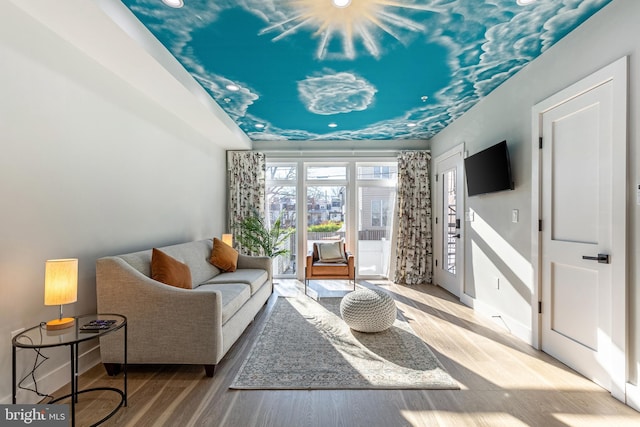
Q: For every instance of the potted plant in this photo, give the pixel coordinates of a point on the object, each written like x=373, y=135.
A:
x=258, y=238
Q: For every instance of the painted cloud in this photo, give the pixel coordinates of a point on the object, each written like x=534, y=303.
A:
x=486, y=42
x=336, y=93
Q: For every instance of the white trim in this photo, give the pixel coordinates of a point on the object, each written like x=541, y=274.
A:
x=633, y=396
x=617, y=74
x=515, y=328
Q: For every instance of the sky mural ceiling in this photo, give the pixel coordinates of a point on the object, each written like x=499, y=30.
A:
x=373, y=70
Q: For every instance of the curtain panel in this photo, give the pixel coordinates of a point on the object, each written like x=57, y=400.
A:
x=246, y=176
x=414, y=251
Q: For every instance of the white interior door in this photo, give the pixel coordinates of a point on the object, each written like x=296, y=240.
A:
x=449, y=221
x=577, y=252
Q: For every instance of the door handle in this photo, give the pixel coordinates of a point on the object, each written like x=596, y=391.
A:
x=601, y=258
x=457, y=236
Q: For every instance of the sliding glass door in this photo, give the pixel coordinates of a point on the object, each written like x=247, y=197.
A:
x=281, y=203
x=327, y=200
x=376, y=184
x=326, y=190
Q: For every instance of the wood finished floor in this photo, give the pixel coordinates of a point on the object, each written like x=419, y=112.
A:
x=504, y=382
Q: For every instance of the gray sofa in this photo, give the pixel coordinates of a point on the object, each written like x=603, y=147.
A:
x=169, y=325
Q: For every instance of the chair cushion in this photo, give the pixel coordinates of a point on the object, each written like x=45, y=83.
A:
x=169, y=270
x=234, y=295
x=331, y=252
x=330, y=269
x=253, y=277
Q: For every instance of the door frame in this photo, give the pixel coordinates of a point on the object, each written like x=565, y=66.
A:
x=616, y=73
x=457, y=150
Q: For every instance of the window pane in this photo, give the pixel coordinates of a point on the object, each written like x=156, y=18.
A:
x=450, y=197
x=382, y=171
x=327, y=172
x=281, y=204
x=374, y=228
x=281, y=172
x=326, y=208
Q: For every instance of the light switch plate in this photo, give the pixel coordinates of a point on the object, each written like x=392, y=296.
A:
x=468, y=216
x=514, y=215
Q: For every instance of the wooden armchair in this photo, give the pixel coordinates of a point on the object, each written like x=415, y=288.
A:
x=317, y=268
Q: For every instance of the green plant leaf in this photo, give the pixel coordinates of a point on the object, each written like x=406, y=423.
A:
x=257, y=237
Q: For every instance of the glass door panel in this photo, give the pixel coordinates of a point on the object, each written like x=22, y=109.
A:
x=281, y=193
x=448, y=226
x=375, y=220
x=326, y=212
x=376, y=204
x=452, y=224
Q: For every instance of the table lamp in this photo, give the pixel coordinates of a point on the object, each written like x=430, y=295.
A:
x=228, y=239
x=60, y=287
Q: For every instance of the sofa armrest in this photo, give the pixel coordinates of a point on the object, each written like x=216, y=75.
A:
x=158, y=314
x=259, y=262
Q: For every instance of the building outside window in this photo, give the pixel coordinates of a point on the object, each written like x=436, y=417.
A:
x=379, y=213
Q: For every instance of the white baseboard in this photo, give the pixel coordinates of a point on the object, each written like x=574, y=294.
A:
x=513, y=326
x=633, y=396
x=56, y=377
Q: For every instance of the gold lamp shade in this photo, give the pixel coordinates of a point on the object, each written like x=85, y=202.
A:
x=60, y=287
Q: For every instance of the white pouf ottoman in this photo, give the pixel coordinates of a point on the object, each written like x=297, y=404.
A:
x=368, y=310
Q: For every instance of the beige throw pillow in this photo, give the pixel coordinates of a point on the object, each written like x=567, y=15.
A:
x=331, y=252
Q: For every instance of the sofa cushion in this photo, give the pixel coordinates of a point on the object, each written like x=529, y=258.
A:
x=251, y=276
x=234, y=295
x=169, y=270
x=223, y=256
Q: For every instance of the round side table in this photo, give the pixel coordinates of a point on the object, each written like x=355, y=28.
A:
x=38, y=337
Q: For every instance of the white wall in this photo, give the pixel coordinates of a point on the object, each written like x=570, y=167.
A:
x=89, y=166
x=506, y=114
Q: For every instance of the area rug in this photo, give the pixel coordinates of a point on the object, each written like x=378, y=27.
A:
x=306, y=345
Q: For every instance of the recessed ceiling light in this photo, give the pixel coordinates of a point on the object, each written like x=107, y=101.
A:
x=173, y=3
x=525, y=2
x=232, y=87
x=411, y=125
x=259, y=125
x=333, y=125
x=341, y=3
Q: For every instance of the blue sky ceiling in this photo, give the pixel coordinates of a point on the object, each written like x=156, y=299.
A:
x=375, y=70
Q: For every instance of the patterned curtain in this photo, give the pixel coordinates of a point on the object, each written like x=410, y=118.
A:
x=414, y=253
x=246, y=173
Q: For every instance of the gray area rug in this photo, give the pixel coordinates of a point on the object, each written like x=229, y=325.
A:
x=306, y=345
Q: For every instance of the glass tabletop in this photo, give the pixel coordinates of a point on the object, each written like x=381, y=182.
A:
x=39, y=337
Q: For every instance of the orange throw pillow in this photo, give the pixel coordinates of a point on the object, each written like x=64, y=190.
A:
x=224, y=256
x=169, y=270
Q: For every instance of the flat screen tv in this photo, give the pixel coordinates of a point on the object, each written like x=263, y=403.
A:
x=489, y=170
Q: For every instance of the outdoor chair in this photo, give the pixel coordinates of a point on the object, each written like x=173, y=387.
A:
x=329, y=261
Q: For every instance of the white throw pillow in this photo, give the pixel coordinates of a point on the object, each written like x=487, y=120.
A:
x=331, y=252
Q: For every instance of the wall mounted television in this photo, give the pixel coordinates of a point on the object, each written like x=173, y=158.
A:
x=489, y=170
